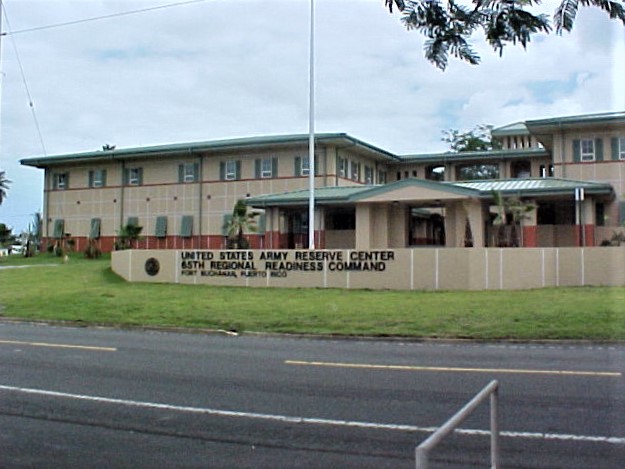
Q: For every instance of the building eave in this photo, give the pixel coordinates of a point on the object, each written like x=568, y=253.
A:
x=193, y=148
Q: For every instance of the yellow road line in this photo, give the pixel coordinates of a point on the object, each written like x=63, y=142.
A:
x=454, y=369
x=64, y=346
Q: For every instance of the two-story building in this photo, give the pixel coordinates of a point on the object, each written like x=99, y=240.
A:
x=570, y=170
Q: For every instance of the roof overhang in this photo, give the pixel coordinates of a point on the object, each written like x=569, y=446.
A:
x=423, y=192
x=339, y=140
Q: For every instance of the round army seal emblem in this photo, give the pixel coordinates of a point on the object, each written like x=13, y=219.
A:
x=152, y=266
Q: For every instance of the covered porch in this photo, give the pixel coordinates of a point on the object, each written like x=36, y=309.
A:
x=415, y=213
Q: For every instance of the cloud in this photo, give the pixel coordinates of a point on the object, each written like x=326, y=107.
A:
x=211, y=71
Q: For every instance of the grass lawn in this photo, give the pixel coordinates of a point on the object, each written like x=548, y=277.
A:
x=88, y=292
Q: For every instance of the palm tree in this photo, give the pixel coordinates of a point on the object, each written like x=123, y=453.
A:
x=33, y=240
x=127, y=236
x=4, y=186
x=240, y=222
x=511, y=212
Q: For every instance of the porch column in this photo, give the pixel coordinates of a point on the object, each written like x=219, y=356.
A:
x=379, y=225
x=454, y=225
x=363, y=226
x=397, y=227
x=475, y=212
x=529, y=228
x=587, y=228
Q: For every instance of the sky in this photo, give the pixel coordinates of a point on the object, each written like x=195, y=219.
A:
x=217, y=69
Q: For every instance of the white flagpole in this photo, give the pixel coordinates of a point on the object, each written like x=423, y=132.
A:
x=311, y=133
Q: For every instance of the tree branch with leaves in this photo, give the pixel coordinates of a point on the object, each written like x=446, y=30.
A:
x=448, y=25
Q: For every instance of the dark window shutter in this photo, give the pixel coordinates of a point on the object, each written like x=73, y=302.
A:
x=94, y=233
x=55, y=181
x=103, y=177
x=196, y=171
x=66, y=181
x=140, y=183
x=297, y=170
x=226, y=226
x=274, y=167
x=621, y=213
x=262, y=223
x=126, y=176
x=598, y=149
x=90, y=178
x=161, y=227
x=577, y=151
x=180, y=173
x=615, y=148
x=59, y=228
x=316, y=165
x=186, y=226
x=238, y=170
x=257, y=164
x=222, y=171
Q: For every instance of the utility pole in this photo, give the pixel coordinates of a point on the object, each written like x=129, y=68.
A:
x=311, y=132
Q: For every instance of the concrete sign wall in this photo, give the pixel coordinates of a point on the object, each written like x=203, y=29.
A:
x=396, y=269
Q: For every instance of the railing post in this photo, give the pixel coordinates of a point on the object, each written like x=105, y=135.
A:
x=494, y=428
x=423, y=450
x=421, y=458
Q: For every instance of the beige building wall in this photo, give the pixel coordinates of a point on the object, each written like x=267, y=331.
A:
x=160, y=193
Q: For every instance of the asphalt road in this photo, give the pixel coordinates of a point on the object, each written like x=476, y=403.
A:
x=72, y=397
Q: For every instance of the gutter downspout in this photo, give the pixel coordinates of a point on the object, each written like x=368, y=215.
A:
x=122, y=191
x=201, y=196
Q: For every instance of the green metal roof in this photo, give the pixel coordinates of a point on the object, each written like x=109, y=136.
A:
x=584, y=119
x=482, y=189
x=178, y=149
x=350, y=194
x=534, y=186
x=333, y=194
x=476, y=155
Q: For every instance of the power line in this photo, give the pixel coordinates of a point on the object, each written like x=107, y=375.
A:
x=97, y=18
x=30, y=99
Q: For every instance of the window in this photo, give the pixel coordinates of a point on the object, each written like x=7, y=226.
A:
x=587, y=150
x=305, y=166
x=368, y=175
x=381, y=177
x=230, y=170
x=302, y=166
x=342, y=167
x=134, y=176
x=621, y=148
x=341, y=220
x=471, y=172
x=435, y=173
x=188, y=172
x=546, y=171
x=266, y=168
x=355, y=171
x=600, y=214
x=97, y=178
x=94, y=232
x=132, y=221
x=61, y=181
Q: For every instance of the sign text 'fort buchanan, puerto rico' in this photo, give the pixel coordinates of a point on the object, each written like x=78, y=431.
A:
x=250, y=264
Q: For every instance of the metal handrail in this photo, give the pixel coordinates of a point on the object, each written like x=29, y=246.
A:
x=423, y=450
